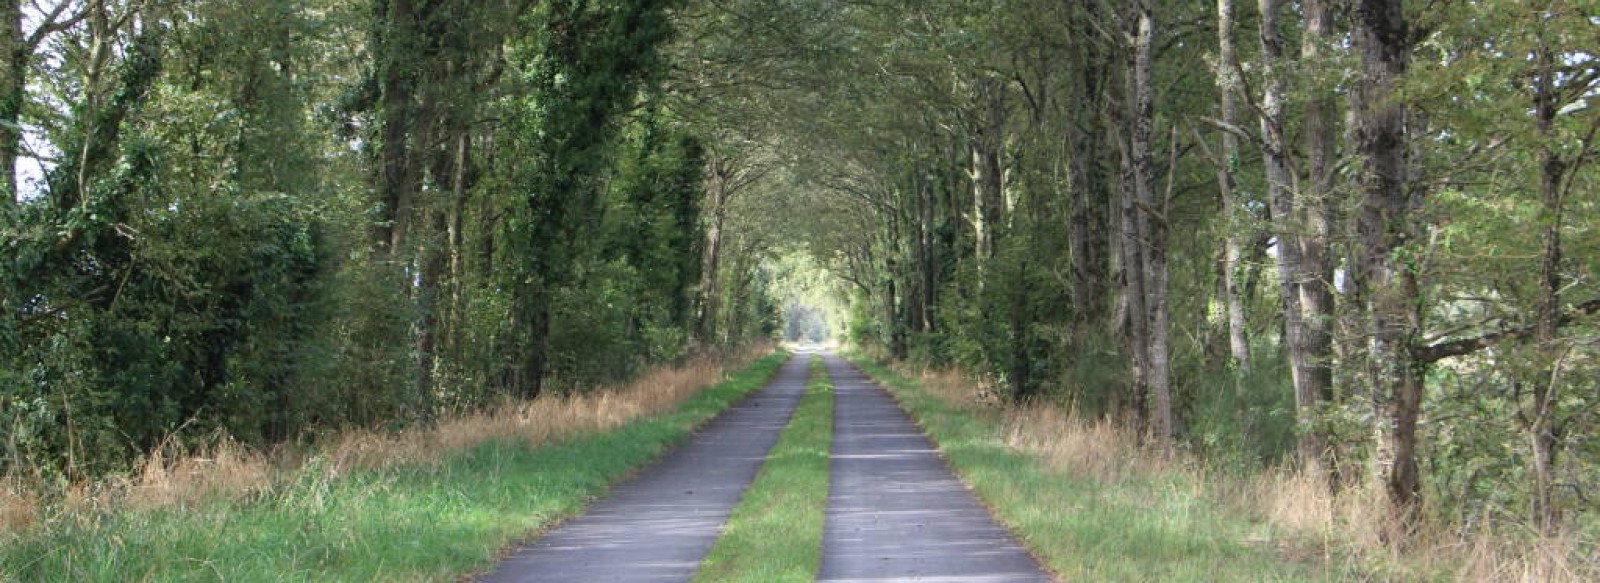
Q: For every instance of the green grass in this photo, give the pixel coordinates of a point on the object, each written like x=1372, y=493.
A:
x=407, y=523
x=775, y=533
x=1144, y=528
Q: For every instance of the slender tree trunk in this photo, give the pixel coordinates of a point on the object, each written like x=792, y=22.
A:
x=1541, y=422
x=456, y=240
x=1382, y=39
x=1232, y=249
x=1134, y=309
x=988, y=185
x=927, y=256
x=13, y=93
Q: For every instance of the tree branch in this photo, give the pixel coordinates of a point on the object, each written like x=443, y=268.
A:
x=1236, y=130
x=1442, y=350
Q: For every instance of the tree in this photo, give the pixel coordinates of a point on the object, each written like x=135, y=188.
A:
x=1385, y=271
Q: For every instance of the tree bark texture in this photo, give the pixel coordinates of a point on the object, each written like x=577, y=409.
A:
x=1229, y=89
x=1385, y=259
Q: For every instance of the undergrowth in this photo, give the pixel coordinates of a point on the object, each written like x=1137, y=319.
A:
x=409, y=507
x=1097, y=507
x=1086, y=509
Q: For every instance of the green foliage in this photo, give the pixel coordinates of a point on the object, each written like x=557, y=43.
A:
x=163, y=280
x=1246, y=422
x=1007, y=327
x=207, y=255
x=582, y=65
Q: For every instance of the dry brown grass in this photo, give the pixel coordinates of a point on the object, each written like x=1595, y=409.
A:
x=19, y=508
x=1347, y=528
x=173, y=475
x=539, y=421
x=1058, y=436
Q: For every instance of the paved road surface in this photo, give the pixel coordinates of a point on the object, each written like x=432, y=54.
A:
x=895, y=512
x=661, y=524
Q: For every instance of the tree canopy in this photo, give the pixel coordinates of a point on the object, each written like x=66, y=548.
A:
x=1349, y=236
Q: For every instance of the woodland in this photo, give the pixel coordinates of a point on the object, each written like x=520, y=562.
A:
x=1355, y=238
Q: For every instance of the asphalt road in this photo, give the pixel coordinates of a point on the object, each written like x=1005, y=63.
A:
x=895, y=511
x=659, y=525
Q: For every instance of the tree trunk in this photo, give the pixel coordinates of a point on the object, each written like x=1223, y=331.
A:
x=1135, y=315
x=456, y=240
x=988, y=196
x=1151, y=224
x=893, y=313
x=1541, y=422
x=13, y=93
x=1232, y=250
x=398, y=88
x=1282, y=199
x=1314, y=207
x=1021, y=368
x=717, y=199
x=1382, y=39
x=927, y=256
x=1088, y=221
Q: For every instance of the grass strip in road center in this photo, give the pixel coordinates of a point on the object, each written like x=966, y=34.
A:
x=1150, y=527
x=775, y=533
x=407, y=522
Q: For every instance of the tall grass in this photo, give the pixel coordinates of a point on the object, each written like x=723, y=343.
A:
x=423, y=504
x=1297, y=517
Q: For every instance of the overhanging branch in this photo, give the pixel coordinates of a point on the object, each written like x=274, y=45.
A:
x=1442, y=350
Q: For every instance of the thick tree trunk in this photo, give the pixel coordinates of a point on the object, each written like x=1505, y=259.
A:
x=1382, y=39
x=430, y=286
x=1135, y=210
x=1282, y=199
x=396, y=176
x=1151, y=223
x=1135, y=319
x=711, y=261
x=893, y=305
x=1314, y=207
x=1021, y=369
x=1089, y=218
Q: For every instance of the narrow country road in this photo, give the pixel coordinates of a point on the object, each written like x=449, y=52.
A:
x=659, y=525
x=895, y=511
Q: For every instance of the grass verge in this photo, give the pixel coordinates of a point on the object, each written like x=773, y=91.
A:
x=332, y=520
x=775, y=533
x=1121, y=526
